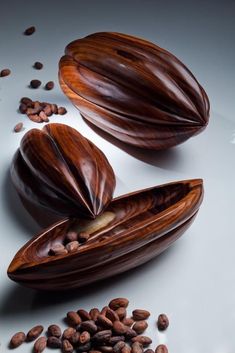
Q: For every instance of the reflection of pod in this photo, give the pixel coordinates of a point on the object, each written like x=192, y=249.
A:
x=133, y=229
x=58, y=170
x=134, y=90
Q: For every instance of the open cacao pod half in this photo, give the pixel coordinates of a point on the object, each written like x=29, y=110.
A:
x=60, y=171
x=134, y=90
x=132, y=229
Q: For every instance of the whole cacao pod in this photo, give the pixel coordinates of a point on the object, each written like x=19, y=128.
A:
x=58, y=169
x=134, y=90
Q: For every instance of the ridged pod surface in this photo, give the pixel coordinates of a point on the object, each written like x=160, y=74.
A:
x=59, y=170
x=134, y=90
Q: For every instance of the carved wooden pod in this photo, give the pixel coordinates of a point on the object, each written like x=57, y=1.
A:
x=134, y=90
x=59, y=170
x=133, y=229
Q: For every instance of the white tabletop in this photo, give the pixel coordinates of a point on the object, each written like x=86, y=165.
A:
x=194, y=281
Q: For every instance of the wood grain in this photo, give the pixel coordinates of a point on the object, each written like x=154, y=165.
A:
x=134, y=90
x=133, y=229
x=59, y=170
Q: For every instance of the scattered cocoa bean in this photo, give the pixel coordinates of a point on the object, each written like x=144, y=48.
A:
x=67, y=347
x=139, y=314
x=54, y=342
x=39, y=345
x=17, y=339
x=94, y=312
x=126, y=349
x=102, y=337
x=74, y=339
x=130, y=333
x=35, y=83
x=23, y=108
x=37, y=65
x=29, y=31
x=62, y=110
x=68, y=333
x=84, y=337
x=161, y=349
x=44, y=118
x=144, y=340
x=49, y=85
x=128, y=321
x=114, y=339
x=137, y=347
x=119, y=328
x=89, y=326
x=5, y=72
x=111, y=315
x=140, y=326
x=118, y=346
x=35, y=118
x=34, y=332
x=121, y=312
x=54, y=330
x=18, y=127
x=84, y=347
x=162, y=322
x=104, y=321
x=27, y=101
x=84, y=315
x=73, y=318
x=116, y=303
x=47, y=110
x=54, y=108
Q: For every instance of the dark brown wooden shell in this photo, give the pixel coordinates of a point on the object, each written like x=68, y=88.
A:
x=58, y=169
x=132, y=230
x=134, y=90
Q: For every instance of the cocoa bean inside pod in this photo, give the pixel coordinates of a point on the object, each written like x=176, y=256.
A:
x=134, y=90
x=60, y=171
x=133, y=229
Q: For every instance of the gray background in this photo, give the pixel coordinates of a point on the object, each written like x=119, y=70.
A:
x=194, y=281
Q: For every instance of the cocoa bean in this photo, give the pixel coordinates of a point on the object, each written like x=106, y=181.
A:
x=162, y=322
x=119, y=328
x=17, y=339
x=54, y=330
x=161, y=349
x=118, y=302
x=39, y=345
x=73, y=318
x=140, y=326
x=67, y=347
x=144, y=340
x=140, y=314
x=34, y=332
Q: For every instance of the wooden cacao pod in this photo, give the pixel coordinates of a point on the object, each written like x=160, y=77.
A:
x=60, y=171
x=134, y=90
x=133, y=229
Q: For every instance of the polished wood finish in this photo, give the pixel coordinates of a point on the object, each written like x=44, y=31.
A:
x=134, y=90
x=133, y=229
x=60, y=171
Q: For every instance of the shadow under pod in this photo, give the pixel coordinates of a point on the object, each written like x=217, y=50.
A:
x=29, y=300
x=163, y=158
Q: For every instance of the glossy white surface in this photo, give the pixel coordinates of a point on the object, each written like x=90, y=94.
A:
x=194, y=281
